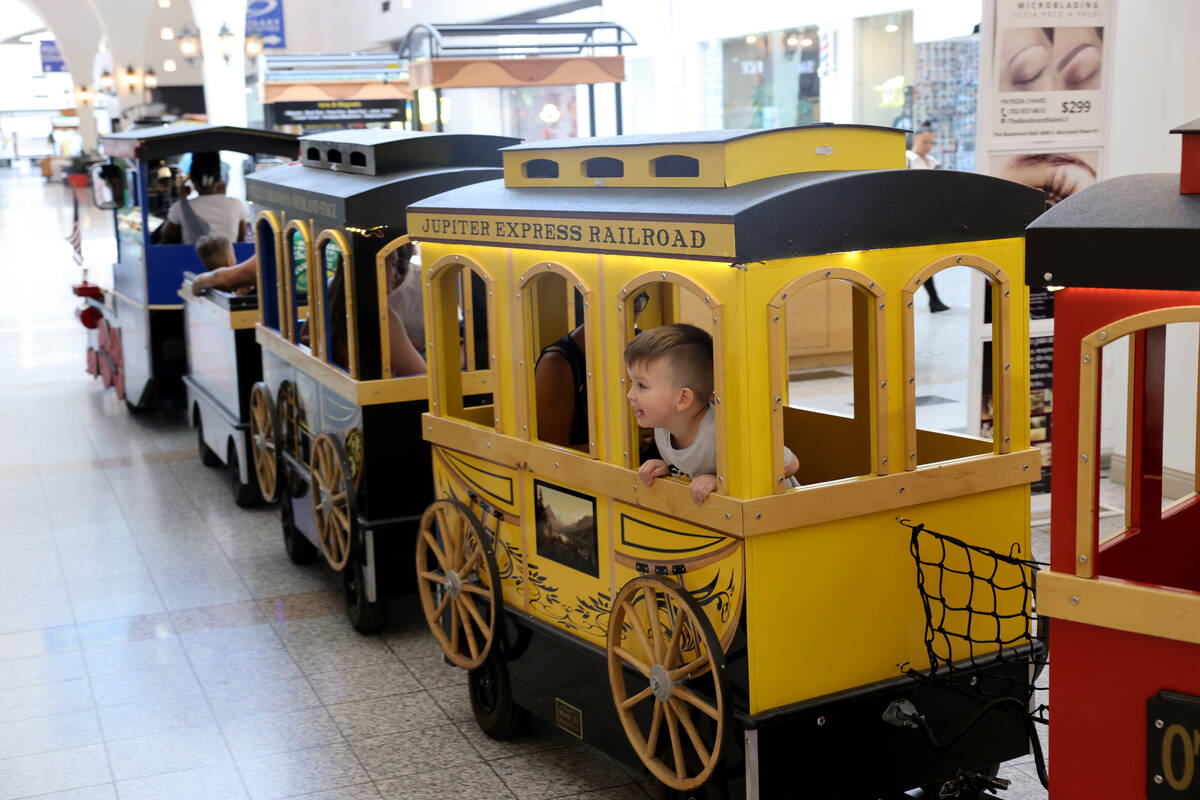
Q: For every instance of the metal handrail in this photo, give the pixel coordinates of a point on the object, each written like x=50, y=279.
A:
x=435, y=36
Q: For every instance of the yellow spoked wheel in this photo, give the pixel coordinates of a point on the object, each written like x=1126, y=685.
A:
x=264, y=440
x=663, y=650
x=459, y=582
x=333, y=503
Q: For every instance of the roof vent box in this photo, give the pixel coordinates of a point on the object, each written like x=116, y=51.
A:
x=377, y=151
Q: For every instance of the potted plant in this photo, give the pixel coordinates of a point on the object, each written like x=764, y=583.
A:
x=77, y=175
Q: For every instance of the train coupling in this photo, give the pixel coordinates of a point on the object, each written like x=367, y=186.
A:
x=971, y=784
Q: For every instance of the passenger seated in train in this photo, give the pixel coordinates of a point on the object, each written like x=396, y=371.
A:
x=210, y=212
x=671, y=385
x=405, y=359
x=561, y=373
x=215, y=252
x=405, y=300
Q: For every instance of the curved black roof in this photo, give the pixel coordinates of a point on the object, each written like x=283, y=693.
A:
x=183, y=137
x=1132, y=232
x=789, y=215
x=341, y=198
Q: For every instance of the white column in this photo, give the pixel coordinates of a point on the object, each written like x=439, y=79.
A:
x=224, y=82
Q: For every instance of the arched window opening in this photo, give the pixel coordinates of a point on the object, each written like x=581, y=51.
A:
x=603, y=167
x=296, y=247
x=561, y=398
x=333, y=156
x=339, y=312
x=266, y=237
x=313, y=154
x=943, y=358
x=358, y=159
x=675, y=167
x=1143, y=463
x=463, y=340
x=650, y=305
x=830, y=363
x=540, y=168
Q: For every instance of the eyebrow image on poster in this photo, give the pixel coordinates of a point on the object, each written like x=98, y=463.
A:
x=1059, y=175
x=1050, y=59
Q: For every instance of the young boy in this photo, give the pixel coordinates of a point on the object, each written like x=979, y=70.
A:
x=671, y=380
x=215, y=252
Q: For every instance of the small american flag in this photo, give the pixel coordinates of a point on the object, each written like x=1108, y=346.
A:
x=76, y=237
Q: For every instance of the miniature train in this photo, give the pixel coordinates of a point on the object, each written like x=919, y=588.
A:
x=711, y=643
x=136, y=339
x=327, y=430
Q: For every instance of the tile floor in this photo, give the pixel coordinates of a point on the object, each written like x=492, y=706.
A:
x=156, y=643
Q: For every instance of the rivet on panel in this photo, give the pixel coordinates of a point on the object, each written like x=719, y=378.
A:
x=1087, y=359
x=1102, y=336
x=1083, y=559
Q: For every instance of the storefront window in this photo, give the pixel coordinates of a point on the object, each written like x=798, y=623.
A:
x=884, y=77
x=945, y=94
x=539, y=112
x=766, y=80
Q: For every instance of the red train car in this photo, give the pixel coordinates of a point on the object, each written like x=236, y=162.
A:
x=1125, y=606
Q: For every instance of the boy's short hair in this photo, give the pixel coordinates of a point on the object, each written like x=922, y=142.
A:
x=213, y=251
x=688, y=349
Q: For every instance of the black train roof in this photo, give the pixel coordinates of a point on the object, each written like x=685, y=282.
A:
x=420, y=164
x=789, y=215
x=1132, y=232
x=184, y=137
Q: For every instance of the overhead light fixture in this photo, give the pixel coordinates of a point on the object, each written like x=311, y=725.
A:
x=792, y=41
x=83, y=95
x=550, y=114
x=169, y=65
x=106, y=80
x=150, y=79
x=167, y=34
x=164, y=3
x=806, y=42
x=226, y=36
x=189, y=42
x=130, y=78
x=751, y=39
x=891, y=26
x=254, y=45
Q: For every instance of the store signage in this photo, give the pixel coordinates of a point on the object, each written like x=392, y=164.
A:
x=265, y=17
x=52, y=57
x=1050, y=63
x=339, y=112
x=694, y=240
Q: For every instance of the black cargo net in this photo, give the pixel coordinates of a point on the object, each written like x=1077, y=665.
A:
x=982, y=634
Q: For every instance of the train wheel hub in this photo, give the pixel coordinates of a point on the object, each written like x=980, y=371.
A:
x=660, y=682
x=453, y=585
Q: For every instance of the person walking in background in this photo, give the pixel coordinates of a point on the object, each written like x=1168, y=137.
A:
x=919, y=157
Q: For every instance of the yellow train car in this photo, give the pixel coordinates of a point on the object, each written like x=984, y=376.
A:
x=714, y=642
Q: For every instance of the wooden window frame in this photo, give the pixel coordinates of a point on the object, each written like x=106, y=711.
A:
x=446, y=383
x=314, y=300
x=777, y=353
x=385, y=336
x=1001, y=287
x=272, y=220
x=339, y=240
x=628, y=292
x=523, y=310
x=1090, y=364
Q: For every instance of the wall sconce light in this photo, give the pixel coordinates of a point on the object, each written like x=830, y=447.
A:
x=254, y=45
x=169, y=65
x=150, y=79
x=167, y=34
x=83, y=95
x=106, y=81
x=189, y=43
x=226, y=36
x=130, y=79
x=164, y=3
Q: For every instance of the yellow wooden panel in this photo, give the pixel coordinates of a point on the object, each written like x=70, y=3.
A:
x=834, y=606
x=1121, y=605
x=813, y=149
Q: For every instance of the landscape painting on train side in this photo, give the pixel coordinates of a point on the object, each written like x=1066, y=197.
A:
x=566, y=527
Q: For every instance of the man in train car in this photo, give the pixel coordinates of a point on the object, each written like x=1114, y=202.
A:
x=228, y=278
x=671, y=386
